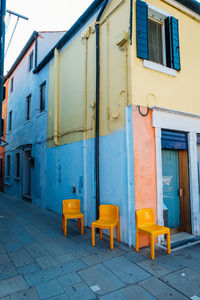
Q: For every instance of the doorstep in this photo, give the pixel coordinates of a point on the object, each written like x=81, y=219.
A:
x=181, y=240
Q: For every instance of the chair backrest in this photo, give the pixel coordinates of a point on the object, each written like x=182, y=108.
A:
x=144, y=216
x=109, y=211
x=70, y=205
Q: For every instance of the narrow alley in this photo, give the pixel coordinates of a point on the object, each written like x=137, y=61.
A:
x=38, y=262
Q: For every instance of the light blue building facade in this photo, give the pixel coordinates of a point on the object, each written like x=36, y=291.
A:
x=25, y=157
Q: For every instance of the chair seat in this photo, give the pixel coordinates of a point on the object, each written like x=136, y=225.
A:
x=103, y=223
x=154, y=229
x=73, y=215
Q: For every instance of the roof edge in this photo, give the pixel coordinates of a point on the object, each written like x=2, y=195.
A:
x=191, y=4
x=21, y=55
x=89, y=12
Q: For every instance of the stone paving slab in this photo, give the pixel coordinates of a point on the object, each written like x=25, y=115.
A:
x=12, y=285
x=169, y=262
x=59, y=297
x=185, y=280
x=80, y=291
x=28, y=269
x=38, y=262
x=153, y=268
x=46, y=261
x=2, y=249
x=36, y=250
x=54, y=248
x=69, y=279
x=127, y=271
x=54, y=272
x=134, y=256
x=5, y=236
x=101, y=277
x=29, y=294
x=102, y=256
x=7, y=270
x=195, y=266
x=21, y=258
x=160, y=290
x=4, y=259
x=129, y=293
x=49, y=289
x=65, y=258
x=12, y=246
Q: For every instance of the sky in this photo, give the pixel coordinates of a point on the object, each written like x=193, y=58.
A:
x=44, y=15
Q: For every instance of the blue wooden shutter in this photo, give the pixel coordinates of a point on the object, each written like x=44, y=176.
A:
x=142, y=29
x=172, y=43
x=174, y=140
x=175, y=44
x=168, y=43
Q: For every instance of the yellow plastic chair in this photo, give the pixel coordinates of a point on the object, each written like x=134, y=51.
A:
x=71, y=210
x=145, y=224
x=108, y=219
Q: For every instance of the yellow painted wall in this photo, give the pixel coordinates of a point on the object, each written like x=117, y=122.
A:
x=77, y=63
x=123, y=79
x=182, y=92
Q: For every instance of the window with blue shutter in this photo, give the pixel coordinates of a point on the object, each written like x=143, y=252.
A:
x=157, y=36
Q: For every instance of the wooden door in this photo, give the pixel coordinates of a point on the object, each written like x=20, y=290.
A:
x=184, y=191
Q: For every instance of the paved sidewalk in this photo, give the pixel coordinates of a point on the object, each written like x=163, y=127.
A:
x=38, y=262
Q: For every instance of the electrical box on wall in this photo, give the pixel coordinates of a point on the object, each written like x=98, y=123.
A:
x=122, y=38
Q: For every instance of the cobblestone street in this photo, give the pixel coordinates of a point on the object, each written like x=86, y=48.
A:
x=38, y=262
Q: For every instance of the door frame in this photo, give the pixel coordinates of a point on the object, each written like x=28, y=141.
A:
x=175, y=120
x=26, y=196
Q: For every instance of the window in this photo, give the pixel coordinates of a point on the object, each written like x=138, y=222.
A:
x=155, y=41
x=30, y=63
x=1, y=167
x=42, y=96
x=4, y=93
x=28, y=107
x=157, y=36
x=8, y=166
x=17, y=164
x=11, y=84
x=2, y=127
x=10, y=121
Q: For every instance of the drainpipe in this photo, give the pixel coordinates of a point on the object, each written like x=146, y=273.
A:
x=97, y=109
x=2, y=46
x=36, y=50
x=131, y=21
x=56, y=101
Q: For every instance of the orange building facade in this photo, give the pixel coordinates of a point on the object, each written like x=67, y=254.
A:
x=3, y=135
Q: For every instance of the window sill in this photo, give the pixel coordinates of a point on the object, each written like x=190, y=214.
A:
x=41, y=113
x=28, y=121
x=160, y=68
x=17, y=178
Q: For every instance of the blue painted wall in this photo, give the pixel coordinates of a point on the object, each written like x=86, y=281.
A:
x=65, y=170
x=34, y=131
